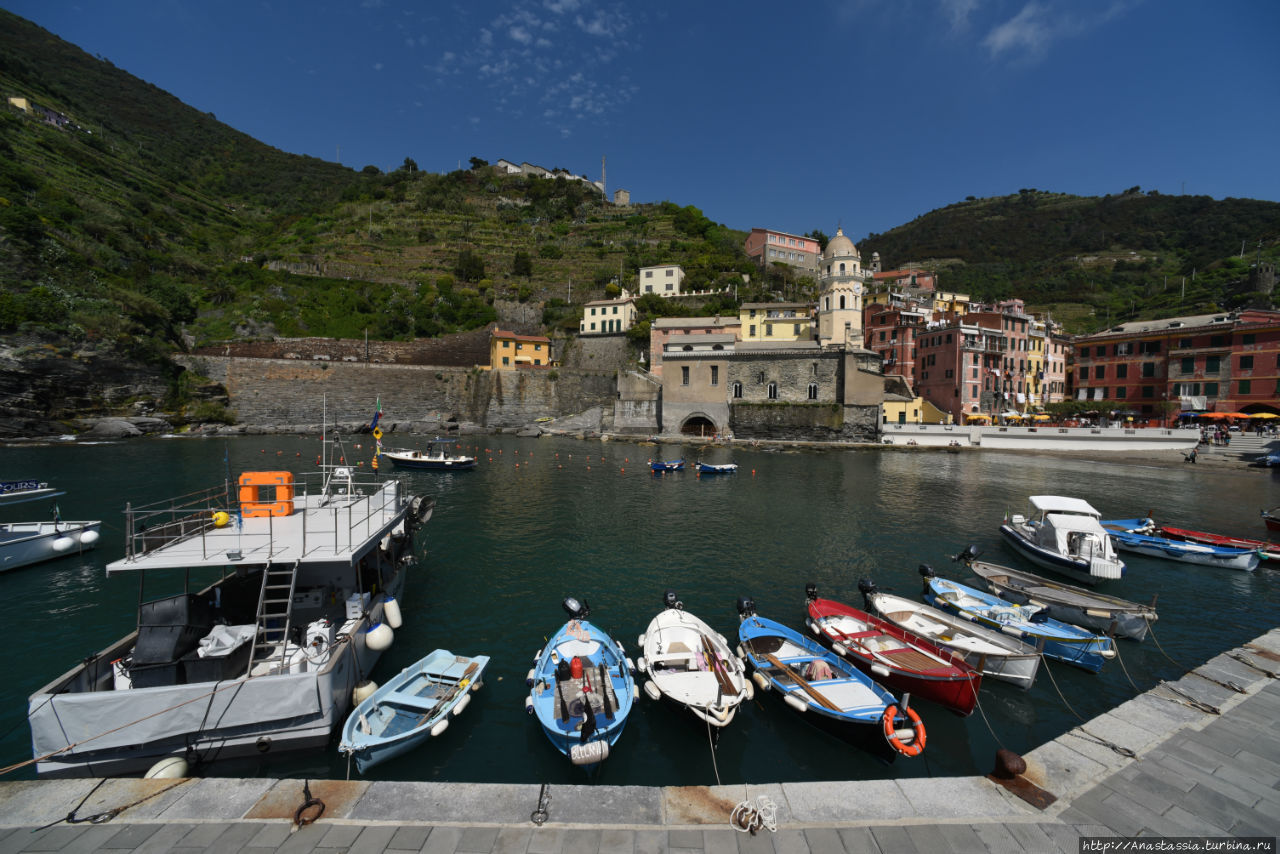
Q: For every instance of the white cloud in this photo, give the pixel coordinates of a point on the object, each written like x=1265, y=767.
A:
x=958, y=12
x=377, y=66
x=1029, y=33
x=519, y=34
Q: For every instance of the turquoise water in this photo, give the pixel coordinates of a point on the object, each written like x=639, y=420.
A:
x=539, y=520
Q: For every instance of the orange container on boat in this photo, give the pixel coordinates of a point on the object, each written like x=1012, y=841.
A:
x=266, y=493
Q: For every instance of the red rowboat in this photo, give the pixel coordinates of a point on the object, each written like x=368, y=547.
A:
x=892, y=655
x=1272, y=518
x=1268, y=551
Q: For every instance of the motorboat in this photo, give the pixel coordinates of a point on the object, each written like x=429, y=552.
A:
x=716, y=468
x=581, y=688
x=414, y=706
x=664, y=466
x=1053, y=638
x=690, y=665
x=1064, y=535
x=826, y=688
x=990, y=652
x=435, y=458
x=25, y=543
x=1064, y=602
x=888, y=653
x=267, y=658
x=1141, y=537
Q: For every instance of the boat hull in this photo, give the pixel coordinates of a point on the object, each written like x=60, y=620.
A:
x=430, y=464
x=27, y=543
x=675, y=661
x=1266, y=551
x=1047, y=559
x=1127, y=534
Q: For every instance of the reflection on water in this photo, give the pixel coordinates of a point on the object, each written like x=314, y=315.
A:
x=542, y=519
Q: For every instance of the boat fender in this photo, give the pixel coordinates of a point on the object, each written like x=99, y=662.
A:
x=796, y=703
x=462, y=704
x=221, y=518
x=761, y=680
x=622, y=650
x=391, y=612
x=813, y=627
x=748, y=690
x=169, y=768
x=908, y=741
x=635, y=691
x=530, y=678
x=441, y=726
x=742, y=656
x=589, y=753
x=378, y=637
x=363, y=691
x=631, y=665
x=537, y=655
x=528, y=705
x=63, y=544
x=839, y=649
x=880, y=670
x=640, y=641
x=652, y=690
x=1013, y=631
x=641, y=663
x=89, y=537
x=720, y=713
x=475, y=686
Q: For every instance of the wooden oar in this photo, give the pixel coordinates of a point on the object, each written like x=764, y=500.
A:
x=604, y=690
x=799, y=680
x=451, y=693
x=717, y=667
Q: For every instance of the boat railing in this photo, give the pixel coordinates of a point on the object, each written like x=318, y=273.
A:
x=357, y=506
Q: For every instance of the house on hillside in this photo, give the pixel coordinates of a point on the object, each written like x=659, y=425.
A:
x=509, y=351
x=664, y=280
x=766, y=246
x=608, y=316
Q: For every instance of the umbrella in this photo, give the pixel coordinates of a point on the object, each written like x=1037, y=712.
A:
x=1042, y=417
x=1263, y=415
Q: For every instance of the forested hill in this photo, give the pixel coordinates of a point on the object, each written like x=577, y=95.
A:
x=1093, y=260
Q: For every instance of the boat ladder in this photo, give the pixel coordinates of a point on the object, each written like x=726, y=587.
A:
x=275, y=609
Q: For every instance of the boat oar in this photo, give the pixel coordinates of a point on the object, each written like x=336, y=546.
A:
x=452, y=692
x=588, y=718
x=799, y=680
x=717, y=667
x=604, y=690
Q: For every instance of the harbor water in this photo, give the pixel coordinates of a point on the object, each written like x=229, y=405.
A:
x=541, y=519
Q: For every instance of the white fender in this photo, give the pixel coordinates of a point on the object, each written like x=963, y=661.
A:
x=748, y=690
x=642, y=664
x=391, y=612
x=796, y=703
x=362, y=691
x=379, y=637
x=741, y=655
x=169, y=768
x=530, y=678
x=813, y=627
x=631, y=665
x=652, y=690
x=635, y=691
x=441, y=726
x=528, y=705
x=640, y=641
x=761, y=680
x=536, y=656
x=475, y=686
x=89, y=537
x=63, y=544
x=839, y=649
x=462, y=704
x=880, y=670
x=589, y=753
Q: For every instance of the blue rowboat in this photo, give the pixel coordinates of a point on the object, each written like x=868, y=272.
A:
x=828, y=690
x=414, y=706
x=1064, y=642
x=1139, y=536
x=581, y=688
x=720, y=468
x=661, y=466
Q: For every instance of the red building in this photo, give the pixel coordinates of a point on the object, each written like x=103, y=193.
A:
x=1225, y=362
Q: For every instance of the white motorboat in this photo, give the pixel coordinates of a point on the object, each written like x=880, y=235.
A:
x=25, y=543
x=1066, y=536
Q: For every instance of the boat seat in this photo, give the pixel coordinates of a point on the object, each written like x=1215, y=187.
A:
x=673, y=657
x=412, y=701
x=679, y=646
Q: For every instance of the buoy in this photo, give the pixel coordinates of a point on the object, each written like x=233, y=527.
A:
x=652, y=690
x=62, y=544
x=169, y=768
x=391, y=612
x=89, y=537
x=363, y=691
x=839, y=649
x=378, y=637
x=221, y=518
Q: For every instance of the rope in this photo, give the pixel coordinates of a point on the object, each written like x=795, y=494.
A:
x=978, y=702
x=751, y=818
x=711, y=741
x=1080, y=731
x=1187, y=699
x=1249, y=662
x=1230, y=686
x=106, y=815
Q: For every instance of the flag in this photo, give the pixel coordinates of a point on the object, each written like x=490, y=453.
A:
x=376, y=415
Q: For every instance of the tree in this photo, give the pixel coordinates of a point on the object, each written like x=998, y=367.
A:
x=470, y=267
x=409, y=165
x=522, y=265
x=821, y=237
x=478, y=163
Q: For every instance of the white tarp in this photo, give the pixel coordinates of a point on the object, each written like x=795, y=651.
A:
x=224, y=640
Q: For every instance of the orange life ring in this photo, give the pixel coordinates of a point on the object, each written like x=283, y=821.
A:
x=916, y=747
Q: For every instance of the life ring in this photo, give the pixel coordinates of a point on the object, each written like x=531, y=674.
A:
x=377, y=432
x=916, y=747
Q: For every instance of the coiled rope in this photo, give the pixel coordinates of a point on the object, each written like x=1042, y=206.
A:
x=748, y=817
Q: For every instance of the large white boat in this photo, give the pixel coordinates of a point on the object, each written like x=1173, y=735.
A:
x=1066, y=536
x=25, y=543
x=264, y=659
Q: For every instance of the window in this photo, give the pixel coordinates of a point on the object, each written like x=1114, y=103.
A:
x=1099, y=372
x=1148, y=369
x=1084, y=351
x=773, y=391
x=684, y=375
x=1212, y=364
x=1120, y=393
x=1246, y=363
x=737, y=390
x=813, y=391
x=768, y=330
x=1148, y=391
x=752, y=333
x=1210, y=389
x=1188, y=364
x=760, y=378
x=1247, y=338
x=506, y=360
x=1217, y=341
x=795, y=328
x=1246, y=387
x=648, y=274
x=1122, y=372
x=715, y=375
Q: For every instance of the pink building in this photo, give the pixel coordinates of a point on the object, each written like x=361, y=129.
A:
x=664, y=328
x=766, y=247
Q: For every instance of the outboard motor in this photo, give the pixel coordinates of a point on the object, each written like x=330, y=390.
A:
x=1040, y=616
x=672, y=601
x=810, y=592
x=866, y=587
x=746, y=606
x=926, y=571
x=968, y=556
x=577, y=610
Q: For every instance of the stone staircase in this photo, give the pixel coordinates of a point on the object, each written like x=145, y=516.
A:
x=1244, y=446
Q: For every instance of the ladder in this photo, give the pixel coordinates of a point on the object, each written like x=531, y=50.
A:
x=275, y=604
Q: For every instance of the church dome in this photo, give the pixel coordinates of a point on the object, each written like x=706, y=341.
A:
x=841, y=246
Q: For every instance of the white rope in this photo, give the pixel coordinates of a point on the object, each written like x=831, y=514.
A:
x=750, y=818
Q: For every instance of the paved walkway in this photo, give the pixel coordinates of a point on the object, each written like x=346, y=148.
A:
x=1195, y=774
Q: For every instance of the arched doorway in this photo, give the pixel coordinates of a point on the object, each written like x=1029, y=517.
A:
x=698, y=425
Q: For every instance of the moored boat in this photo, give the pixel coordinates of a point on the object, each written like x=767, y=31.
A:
x=582, y=688
x=888, y=653
x=716, y=468
x=1271, y=518
x=288, y=552
x=1139, y=536
x=414, y=706
x=828, y=689
x=1265, y=550
x=1054, y=638
x=690, y=665
x=1064, y=535
x=435, y=458
x=26, y=543
x=664, y=466
x=1064, y=602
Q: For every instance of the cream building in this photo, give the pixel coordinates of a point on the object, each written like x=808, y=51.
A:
x=842, y=284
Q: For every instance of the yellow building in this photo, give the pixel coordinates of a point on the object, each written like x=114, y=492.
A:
x=776, y=321
x=917, y=411
x=508, y=351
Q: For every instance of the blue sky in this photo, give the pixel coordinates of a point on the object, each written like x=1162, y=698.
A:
x=859, y=113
